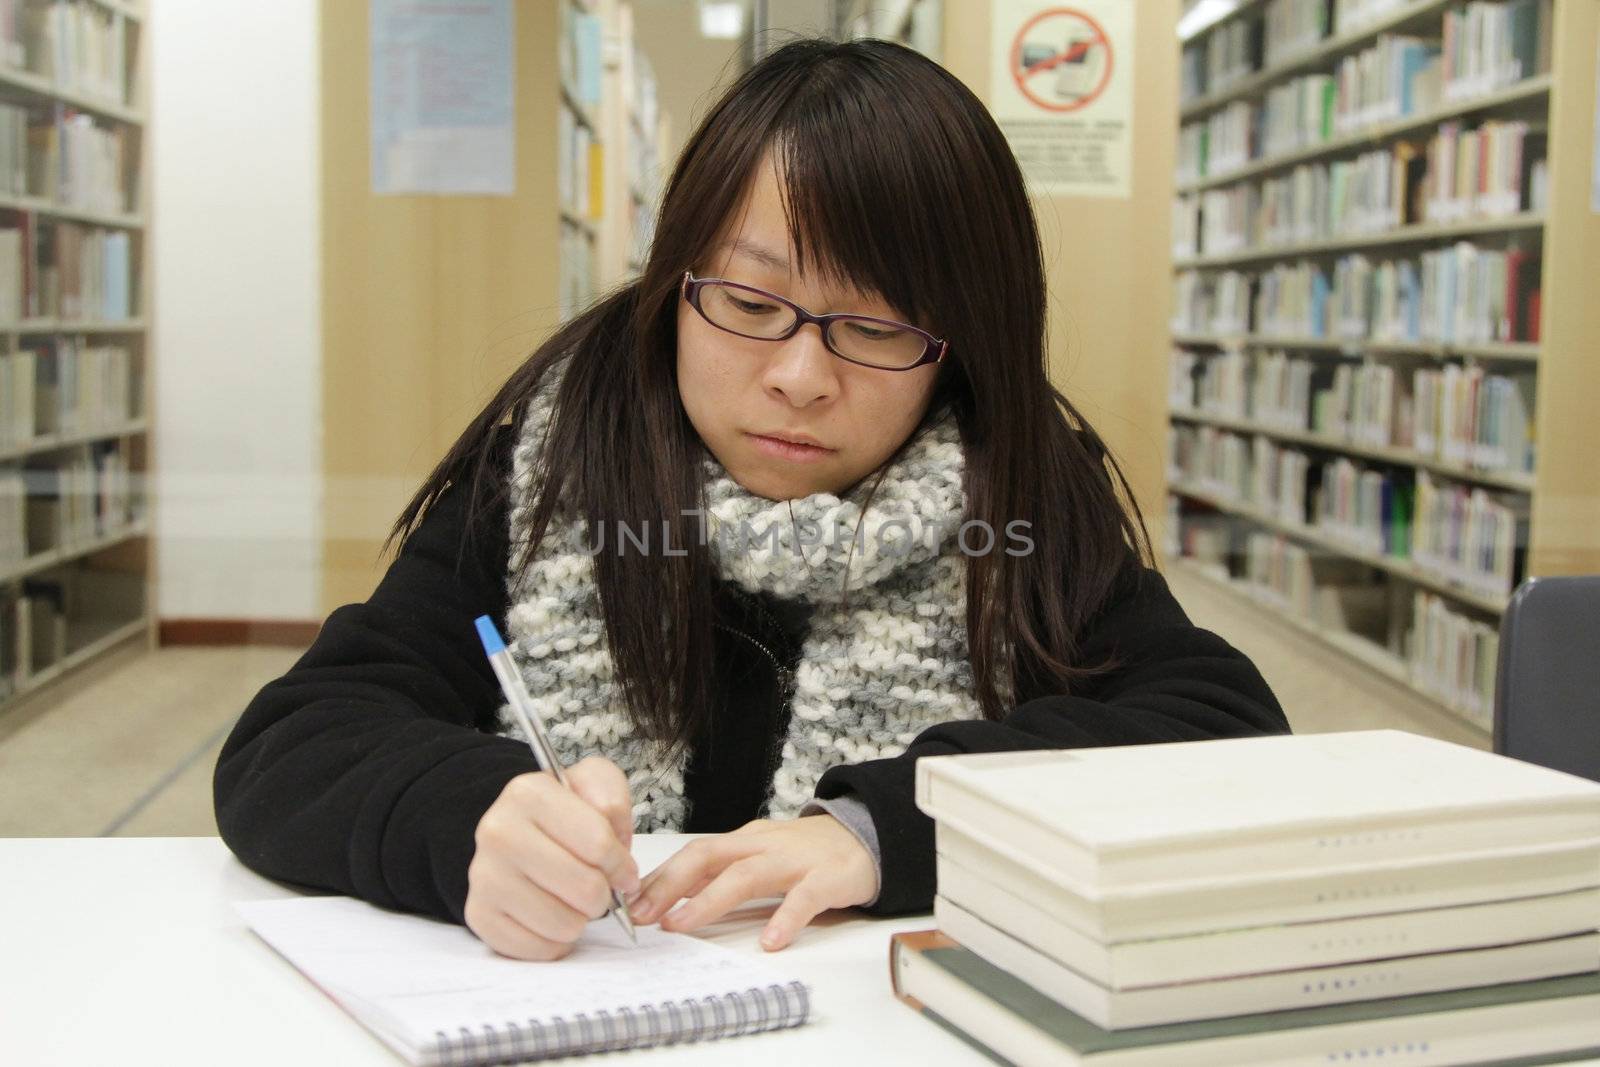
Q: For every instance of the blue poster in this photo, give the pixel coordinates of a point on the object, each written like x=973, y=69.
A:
x=442, y=111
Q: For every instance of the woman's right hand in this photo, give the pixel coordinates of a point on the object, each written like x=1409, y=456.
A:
x=548, y=856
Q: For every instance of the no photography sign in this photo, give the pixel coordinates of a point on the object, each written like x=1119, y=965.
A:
x=1061, y=60
x=1062, y=90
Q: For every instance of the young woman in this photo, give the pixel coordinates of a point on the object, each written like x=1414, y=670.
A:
x=732, y=632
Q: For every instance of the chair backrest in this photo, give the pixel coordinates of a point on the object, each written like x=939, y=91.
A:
x=1547, y=688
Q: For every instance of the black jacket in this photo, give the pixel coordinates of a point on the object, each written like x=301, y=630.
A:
x=366, y=768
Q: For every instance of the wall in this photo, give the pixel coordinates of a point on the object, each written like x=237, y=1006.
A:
x=1109, y=260
x=428, y=302
x=235, y=304
x=689, y=68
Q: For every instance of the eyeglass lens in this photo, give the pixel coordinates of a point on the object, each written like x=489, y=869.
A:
x=754, y=315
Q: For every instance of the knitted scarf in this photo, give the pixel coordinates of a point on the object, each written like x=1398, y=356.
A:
x=876, y=668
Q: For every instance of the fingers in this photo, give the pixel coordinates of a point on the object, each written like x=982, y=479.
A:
x=578, y=827
x=603, y=785
x=517, y=918
x=545, y=863
x=510, y=938
x=544, y=915
x=751, y=878
x=800, y=905
x=696, y=864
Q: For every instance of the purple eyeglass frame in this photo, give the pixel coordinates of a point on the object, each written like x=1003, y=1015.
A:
x=933, y=351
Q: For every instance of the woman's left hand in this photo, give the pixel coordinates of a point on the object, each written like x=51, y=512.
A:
x=814, y=863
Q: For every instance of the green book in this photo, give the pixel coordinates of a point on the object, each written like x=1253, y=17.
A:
x=1548, y=1021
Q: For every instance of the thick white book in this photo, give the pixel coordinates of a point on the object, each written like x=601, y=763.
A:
x=1247, y=995
x=1246, y=899
x=1230, y=953
x=1169, y=814
x=1557, y=1019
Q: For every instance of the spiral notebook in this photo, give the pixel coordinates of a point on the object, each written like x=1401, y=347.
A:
x=437, y=995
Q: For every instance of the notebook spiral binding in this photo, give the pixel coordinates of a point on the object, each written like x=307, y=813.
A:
x=773, y=1007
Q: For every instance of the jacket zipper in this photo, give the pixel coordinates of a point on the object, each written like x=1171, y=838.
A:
x=779, y=720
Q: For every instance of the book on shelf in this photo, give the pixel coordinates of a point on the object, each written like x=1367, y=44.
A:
x=1453, y=656
x=13, y=516
x=45, y=511
x=10, y=274
x=15, y=157
x=1460, y=534
x=1291, y=27
x=1472, y=535
x=93, y=165
x=1365, y=507
x=1463, y=294
x=1004, y=1015
x=9, y=676
x=78, y=272
x=78, y=496
x=1233, y=52
x=23, y=639
x=1323, y=589
x=81, y=47
x=1487, y=46
x=1458, y=413
x=74, y=386
x=580, y=55
x=18, y=397
x=45, y=622
x=1480, y=48
x=1396, y=77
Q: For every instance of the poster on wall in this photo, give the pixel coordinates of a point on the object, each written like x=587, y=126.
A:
x=441, y=98
x=1061, y=88
x=1594, y=175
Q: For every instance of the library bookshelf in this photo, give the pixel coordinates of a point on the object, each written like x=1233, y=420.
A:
x=613, y=136
x=580, y=150
x=641, y=130
x=1383, y=358
x=76, y=569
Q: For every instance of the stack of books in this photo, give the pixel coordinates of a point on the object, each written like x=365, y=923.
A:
x=1308, y=899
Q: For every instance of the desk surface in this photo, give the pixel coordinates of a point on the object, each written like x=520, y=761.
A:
x=128, y=950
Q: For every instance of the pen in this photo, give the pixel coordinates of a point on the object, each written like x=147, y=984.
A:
x=533, y=725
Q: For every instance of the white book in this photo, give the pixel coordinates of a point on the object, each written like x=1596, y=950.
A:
x=1239, y=951
x=1558, y=1018
x=1246, y=900
x=1168, y=814
x=1282, y=991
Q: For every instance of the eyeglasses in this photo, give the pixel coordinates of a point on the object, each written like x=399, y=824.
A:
x=755, y=313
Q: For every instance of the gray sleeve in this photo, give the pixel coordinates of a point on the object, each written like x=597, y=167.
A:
x=858, y=820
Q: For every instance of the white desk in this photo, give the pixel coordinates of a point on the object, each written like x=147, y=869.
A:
x=128, y=951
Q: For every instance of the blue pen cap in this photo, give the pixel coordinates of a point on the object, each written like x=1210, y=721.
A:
x=492, y=642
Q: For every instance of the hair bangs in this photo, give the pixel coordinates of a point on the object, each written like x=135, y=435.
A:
x=845, y=158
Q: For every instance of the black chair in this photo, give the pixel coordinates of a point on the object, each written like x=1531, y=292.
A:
x=1547, y=687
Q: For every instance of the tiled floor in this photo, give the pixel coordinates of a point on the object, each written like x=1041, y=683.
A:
x=131, y=753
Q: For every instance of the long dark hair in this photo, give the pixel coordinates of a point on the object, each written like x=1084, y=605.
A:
x=897, y=182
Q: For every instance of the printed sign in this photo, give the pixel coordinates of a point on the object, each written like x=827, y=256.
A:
x=442, y=106
x=1062, y=91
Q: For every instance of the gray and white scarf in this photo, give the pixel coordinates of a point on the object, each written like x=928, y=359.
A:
x=873, y=672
